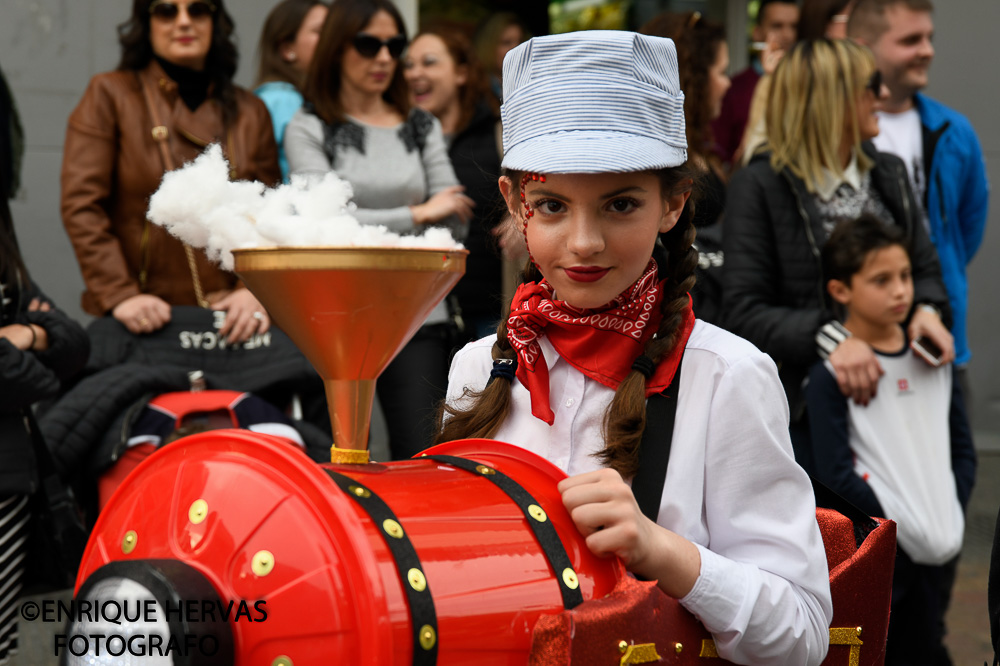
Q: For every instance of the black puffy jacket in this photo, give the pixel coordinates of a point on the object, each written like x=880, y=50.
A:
x=87, y=428
x=473, y=153
x=27, y=377
x=774, y=292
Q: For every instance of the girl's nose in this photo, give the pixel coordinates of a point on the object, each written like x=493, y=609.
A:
x=585, y=237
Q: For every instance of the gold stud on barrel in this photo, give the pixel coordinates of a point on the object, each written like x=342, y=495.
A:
x=484, y=470
x=858, y=630
x=282, y=660
x=198, y=511
x=392, y=528
x=622, y=646
x=129, y=542
x=262, y=562
x=537, y=512
x=678, y=648
x=428, y=637
x=417, y=580
x=570, y=579
x=358, y=491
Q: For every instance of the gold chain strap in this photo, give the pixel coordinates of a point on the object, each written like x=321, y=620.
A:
x=161, y=135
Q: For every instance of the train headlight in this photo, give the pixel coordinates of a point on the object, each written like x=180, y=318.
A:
x=147, y=613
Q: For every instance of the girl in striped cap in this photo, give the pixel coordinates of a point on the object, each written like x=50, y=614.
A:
x=601, y=334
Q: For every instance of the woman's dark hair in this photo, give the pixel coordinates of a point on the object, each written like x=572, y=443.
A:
x=220, y=64
x=815, y=16
x=474, y=89
x=625, y=418
x=280, y=28
x=850, y=244
x=345, y=20
x=11, y=263
x=697, y=41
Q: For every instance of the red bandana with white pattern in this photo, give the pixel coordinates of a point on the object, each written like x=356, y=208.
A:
x=600, y=343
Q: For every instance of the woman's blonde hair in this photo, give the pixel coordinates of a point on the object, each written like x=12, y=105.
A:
x=812, y=102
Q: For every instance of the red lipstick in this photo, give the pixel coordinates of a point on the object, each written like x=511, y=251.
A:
x=586, y=273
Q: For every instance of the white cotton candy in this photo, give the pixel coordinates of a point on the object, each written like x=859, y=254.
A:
x=201, y=206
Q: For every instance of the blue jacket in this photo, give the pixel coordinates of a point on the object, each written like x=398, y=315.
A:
x=957, y=203
x=282, y=100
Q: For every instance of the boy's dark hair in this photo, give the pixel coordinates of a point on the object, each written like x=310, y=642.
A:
x=851, y=242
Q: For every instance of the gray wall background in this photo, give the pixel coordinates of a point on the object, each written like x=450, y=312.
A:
x=50, y=48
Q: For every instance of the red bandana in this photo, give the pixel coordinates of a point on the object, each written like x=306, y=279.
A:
x=601, y=344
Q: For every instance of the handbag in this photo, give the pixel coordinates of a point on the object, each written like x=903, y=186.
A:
x=57, y=532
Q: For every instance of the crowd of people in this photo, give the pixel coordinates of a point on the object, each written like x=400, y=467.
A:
x=817, y=204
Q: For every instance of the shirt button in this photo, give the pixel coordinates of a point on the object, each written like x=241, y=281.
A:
x=570, y=402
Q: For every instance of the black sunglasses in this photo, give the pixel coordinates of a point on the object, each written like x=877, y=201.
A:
x=168, y=11
x=875, y=83
x=369, y=45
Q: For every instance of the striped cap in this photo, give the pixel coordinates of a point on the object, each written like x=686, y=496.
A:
x=596, y=101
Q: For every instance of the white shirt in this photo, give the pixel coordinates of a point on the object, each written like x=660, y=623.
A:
x=901, y=442
x=901, y=135
x=733, y=488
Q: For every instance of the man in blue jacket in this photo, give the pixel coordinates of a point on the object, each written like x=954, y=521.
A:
x=938, y=145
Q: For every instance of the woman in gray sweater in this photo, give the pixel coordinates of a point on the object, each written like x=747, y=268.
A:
x=357, y=121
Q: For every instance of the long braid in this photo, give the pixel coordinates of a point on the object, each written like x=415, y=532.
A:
x=625, y=419
x=489, y=407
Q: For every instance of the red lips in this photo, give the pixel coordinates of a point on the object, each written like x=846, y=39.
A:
x=586, y=273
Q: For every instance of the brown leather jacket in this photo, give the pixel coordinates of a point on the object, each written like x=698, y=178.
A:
x=112, y=165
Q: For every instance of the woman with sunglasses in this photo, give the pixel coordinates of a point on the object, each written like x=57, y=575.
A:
x=358, y=122
x=818, y=169
x=171, y=96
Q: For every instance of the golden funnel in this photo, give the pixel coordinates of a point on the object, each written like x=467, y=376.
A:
x=350, y=311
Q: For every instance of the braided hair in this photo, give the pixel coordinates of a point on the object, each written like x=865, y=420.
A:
x=625, y=418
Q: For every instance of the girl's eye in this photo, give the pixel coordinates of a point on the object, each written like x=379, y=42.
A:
x=548, y=206
x=622, y=205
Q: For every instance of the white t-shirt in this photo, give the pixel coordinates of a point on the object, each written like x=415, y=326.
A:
x=902, y=447
x=733, y=487
x=901, y=135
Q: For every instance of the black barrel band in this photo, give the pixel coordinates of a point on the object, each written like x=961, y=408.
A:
x=414, y=581
x=541, y=526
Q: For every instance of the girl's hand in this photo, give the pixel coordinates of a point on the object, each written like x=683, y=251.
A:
x=605, y=511
x=244, y=315
x=857, y=370
x=142, y=313
x=925, y=323
x=449, y=201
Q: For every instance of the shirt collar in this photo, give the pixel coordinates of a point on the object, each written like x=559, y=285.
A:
x=830, y=183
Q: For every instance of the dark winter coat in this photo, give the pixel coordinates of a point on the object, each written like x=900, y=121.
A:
x=27, y=377
x=774, y=291
x=88, y=427
x=474, y=156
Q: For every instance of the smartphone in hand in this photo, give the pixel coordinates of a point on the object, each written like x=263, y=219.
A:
x=926, y=349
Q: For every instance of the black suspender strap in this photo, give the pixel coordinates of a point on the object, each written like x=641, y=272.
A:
x=541, y=526
x=654, y=448
x=423, y=617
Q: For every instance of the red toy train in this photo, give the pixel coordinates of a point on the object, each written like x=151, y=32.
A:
x=256, y=555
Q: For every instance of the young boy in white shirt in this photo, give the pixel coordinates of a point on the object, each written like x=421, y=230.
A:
x=908, y=454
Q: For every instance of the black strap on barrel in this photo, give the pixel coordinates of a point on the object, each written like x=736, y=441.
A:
x=422, y=614
x=541, y=526
x=654, y=448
